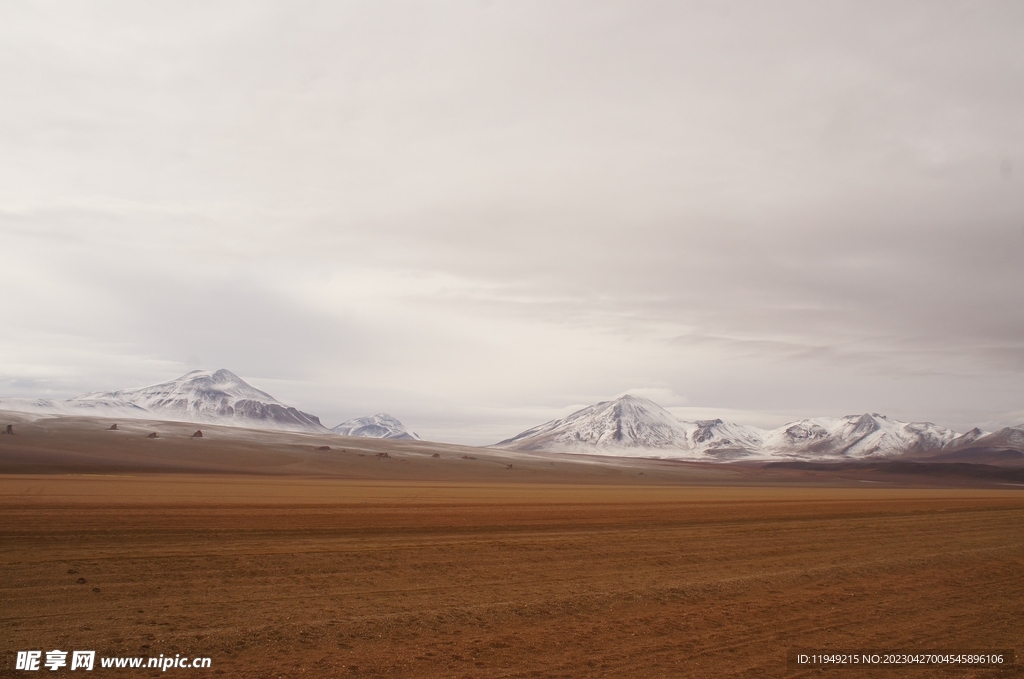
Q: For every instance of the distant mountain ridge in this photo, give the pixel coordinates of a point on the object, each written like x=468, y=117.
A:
x=203, y=396
x=627, y=422
x=635, y=426
x=626, y=426
x=379, y=426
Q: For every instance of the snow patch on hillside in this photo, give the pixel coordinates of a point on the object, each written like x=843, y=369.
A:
x=379, y=426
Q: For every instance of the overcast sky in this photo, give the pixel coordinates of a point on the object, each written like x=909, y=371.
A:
x=477, y=216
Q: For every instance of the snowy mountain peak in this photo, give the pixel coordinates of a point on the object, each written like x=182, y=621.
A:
x=1007, y=437
x=213, y=396
x=223, y=381
x=722, y=440
x=633, y=425
x=379, y=426
x=627, y=422
x=855, y=436
x=205, y=385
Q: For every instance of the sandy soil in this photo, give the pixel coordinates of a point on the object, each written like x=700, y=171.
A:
x=295, y=576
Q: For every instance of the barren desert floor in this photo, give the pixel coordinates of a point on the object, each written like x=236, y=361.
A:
x=295, y=576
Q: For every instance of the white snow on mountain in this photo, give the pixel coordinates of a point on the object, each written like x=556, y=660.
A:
x=45, y=406
x=214, y=397
x=630, y=426
x=629, y=422
x=855, y=436
x=634, y=426
x=722, y=440
x=1006, y=438
x=967, y=438
x=379, y=426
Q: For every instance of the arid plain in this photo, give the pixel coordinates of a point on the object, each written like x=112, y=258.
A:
x=275, y=558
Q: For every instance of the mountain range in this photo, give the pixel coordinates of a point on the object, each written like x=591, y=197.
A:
x=206, y=396
x=635, y=426
x=629, y=426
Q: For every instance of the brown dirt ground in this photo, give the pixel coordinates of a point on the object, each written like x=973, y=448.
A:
x=285, y=577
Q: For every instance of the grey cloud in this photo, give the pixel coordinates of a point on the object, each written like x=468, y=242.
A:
x=484, y=212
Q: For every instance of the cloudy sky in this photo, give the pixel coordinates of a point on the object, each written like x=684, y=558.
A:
x=478, y=215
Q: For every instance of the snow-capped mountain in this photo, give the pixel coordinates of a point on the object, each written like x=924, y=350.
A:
x=215, y=397
x=46, y=406
x=379, y=426
x=855, y=436
x=627, y=426
x=967, y=438
x=722, y=440
x=1007, y=438
x=627, y=422
x=631, y=426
